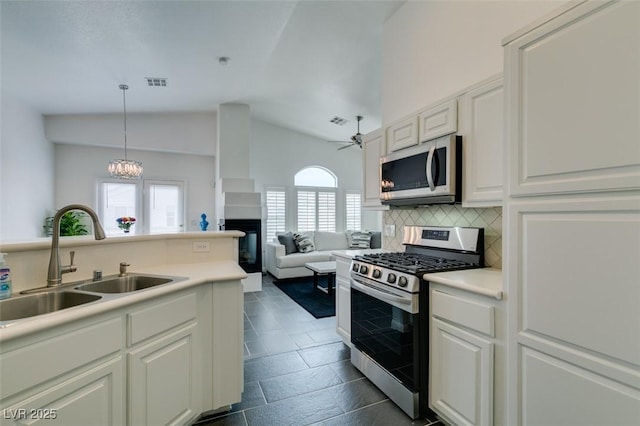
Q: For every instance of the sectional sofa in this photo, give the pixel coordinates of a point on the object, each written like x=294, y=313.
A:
x=282, y=265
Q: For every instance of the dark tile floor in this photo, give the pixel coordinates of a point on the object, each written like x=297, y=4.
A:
x=298, y=372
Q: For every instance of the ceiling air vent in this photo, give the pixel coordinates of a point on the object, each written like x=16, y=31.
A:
x=339, y=121
x=156, y=82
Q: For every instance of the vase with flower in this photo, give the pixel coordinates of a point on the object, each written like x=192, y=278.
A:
x=125, y=223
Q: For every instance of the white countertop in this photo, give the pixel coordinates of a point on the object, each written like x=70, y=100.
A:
x=88, y=240
x=350, y=254
x=484, y=281
x=196, y=273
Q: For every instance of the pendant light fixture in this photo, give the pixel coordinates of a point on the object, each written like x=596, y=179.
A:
x=125, y=168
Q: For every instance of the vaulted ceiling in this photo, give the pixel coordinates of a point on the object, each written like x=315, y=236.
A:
x=296, y=63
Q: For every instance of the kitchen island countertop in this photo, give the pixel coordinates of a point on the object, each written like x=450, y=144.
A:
x=196, y=274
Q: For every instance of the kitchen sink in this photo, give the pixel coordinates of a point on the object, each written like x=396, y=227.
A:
x=41, y=303
x=124, y=284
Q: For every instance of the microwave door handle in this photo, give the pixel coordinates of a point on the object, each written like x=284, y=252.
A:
x=432, y=185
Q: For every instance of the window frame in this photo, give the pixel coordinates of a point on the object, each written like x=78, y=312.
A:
x=142, y=216
x=317, y=190
x=146, y=200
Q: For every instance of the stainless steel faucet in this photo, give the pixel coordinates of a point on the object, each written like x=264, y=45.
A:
x=54, y=277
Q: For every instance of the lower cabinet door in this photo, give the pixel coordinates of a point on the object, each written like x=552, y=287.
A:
x=92, y=397
x=163, y=380
x=461, y=375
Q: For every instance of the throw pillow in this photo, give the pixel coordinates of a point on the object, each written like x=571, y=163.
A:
x=287, y=241
x=304, y=243
x=359, y=239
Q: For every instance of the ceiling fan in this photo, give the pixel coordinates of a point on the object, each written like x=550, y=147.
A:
x=356, y=140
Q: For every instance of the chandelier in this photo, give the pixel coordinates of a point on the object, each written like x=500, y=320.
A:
x=125, y=168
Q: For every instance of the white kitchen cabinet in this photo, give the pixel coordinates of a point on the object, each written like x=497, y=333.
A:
x=161, y=361
x=373, y=147
x=90, y=397
x=572, y=210
x=438, y=120
x=163, y=380
x=402, y=134
x=343, y=298
x=70, y=376
x=163, y=370
x=572, y=269
x=572, y=102
x=482, y=124
x=461, y=358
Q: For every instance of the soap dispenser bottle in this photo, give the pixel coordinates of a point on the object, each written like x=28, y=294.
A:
x=5, y=278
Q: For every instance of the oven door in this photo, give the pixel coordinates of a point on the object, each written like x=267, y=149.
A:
x=385, y=327
x=427, y=173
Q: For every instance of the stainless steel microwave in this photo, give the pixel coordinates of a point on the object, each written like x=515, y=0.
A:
x=430, y=173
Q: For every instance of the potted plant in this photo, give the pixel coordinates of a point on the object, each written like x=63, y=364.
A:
x=70, y=225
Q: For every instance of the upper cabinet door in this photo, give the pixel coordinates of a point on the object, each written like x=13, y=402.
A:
x=373, y=147
x=439, y=120
x=402, y=134
x=481, y=123
x=573, y=102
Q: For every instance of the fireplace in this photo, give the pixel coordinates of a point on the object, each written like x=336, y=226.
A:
x=249, y=246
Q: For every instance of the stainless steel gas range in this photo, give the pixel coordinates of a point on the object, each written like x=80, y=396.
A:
x=390, y=308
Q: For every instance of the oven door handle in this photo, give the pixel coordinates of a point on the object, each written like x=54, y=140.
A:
x=379, y=294
x=432, y=185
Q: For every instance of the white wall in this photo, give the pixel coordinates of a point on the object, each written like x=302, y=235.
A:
x=26, y=172
x=277, y=154
x=186, y=133
x=77, y=169
x=432, y=49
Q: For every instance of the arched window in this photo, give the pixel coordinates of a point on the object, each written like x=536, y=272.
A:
x=316, y=199
x=316, y=176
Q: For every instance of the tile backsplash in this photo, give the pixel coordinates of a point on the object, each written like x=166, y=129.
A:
x=449, y=215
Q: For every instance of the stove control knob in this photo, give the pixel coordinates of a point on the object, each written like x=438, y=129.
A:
x=363, y=269
x=377, y=273
x=402, y=282
x=355, y=267
x=391, y=278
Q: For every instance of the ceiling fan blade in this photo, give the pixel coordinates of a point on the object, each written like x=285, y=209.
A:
x=339, y=141
x=346, y=146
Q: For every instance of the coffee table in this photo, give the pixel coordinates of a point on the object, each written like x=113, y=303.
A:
x=323, y=268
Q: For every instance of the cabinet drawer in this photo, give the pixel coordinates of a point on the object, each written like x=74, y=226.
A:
x=42, y=361
x=473, y=315
x=159, y=317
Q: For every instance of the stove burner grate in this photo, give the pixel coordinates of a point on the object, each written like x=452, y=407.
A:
x=414, y=263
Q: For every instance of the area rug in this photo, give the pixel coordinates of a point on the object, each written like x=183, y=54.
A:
x=316, y=302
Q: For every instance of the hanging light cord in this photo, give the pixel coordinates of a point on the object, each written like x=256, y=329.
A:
x=124, y=103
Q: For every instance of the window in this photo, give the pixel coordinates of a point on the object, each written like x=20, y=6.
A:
x=353, y=212
x=117, y=200
x=164, y=206
x=276, y=212
x=327, y=211
x=158, y=206
x=316, y=199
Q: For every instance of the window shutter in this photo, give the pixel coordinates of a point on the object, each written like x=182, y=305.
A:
x=327, y=211
x=306, y=211
x=353, y=203
x=276, y=213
